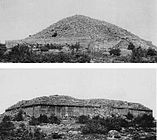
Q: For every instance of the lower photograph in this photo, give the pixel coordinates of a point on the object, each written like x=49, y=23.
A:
x=78, y=104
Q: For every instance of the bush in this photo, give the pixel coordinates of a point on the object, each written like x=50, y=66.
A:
x=38, y=134
x=34, y=121
x=19, y=116
x=23, y=53
x=115, y=51
x=103, y=125
x=25, y=134
x=83, y=119
x=2, y=49
x=131, y=46
x=94, y=127
x=81, y=58
x=113, y=123
x=151, y=52
x=54, y=119
x=56, y=136
x=43, y=119
x=6, y=127
x=137, y=55
x=129, y=116
x=144, y=121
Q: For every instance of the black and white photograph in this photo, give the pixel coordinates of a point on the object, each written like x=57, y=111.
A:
x=78, y=104
x=68, y=72
x=78, y=31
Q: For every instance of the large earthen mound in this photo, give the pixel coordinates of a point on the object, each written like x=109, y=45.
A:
x=87, y=31
x=61, y=100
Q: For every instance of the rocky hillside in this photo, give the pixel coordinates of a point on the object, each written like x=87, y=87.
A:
x=67, y=100
x=81, y=28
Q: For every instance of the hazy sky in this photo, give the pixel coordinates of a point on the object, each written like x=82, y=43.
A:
x=135, y=85
x=20, y=18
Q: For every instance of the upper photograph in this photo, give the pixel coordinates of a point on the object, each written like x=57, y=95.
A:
x=78, y=31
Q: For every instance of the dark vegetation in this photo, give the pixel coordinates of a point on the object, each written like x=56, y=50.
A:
x=83, y=119
x=100, y=125
x=2, y=49
x=115, y=51
x=74, y=53
x=95, y=125
x=19, y=116
x=44, y=119
x=9, y=131
x=25, y=54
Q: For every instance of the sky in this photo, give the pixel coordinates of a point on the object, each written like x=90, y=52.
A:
x=21, y=18
x=134, y=85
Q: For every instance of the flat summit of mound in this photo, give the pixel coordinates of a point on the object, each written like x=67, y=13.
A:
x=70, y=101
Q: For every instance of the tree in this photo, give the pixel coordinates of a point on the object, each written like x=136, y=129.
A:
x=137, y=55
x=129, y=116
x=83, y=119
x=115, y=51
x=145, y=121
x=131, y=46
x=19, y=53
x=54, y=119
x=34, y=121
x=151, y=52
x=43, y=119
x=19, y=116
x=6, y=127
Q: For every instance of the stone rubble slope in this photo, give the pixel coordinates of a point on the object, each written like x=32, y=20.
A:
x=79, y=27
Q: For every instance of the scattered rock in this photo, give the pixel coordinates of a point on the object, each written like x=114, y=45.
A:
x=114, y=134
x=73, y=132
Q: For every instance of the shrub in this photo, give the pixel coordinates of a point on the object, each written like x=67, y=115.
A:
x=6, y=126
x=54, y=34
x=54, y=119
x=56, y=136
x=44, y=48
x=82, y=58
x=19, y=116
x=144, y=121
x=103, y=125
x=25, y=134
x=131, y=46
x=2, y=49
x=113, y=123
x=129, y=116
x=137, y=55
x=115, y=51
x=38, y=134
x=34, y=121
x=83, y=119
x=151, y=52
x=75, y=46
x=19, y=53
x=94, y=127
x=43, y=119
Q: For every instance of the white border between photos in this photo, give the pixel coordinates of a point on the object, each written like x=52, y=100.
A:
x=77, y=65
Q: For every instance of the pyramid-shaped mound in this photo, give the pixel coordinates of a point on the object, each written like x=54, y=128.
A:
x=79, y=28
x=87, y=31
